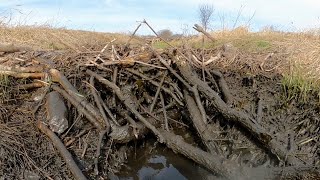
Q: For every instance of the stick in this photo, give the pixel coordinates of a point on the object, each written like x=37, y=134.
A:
x=98, y=102
x=158, y=91
x=77, y=173
x=24, y=75
x=98, y=152
x=132, y=35
x=200, y=29
x=79, y=106
x=164, y=112
x=199, y=103
x=156, y=84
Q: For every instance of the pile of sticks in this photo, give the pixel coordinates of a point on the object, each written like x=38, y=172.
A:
x=133, y=95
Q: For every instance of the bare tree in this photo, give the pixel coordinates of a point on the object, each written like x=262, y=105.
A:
x=165, y=34
x=205, y=14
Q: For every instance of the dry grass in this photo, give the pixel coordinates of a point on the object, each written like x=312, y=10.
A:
x=46, y=38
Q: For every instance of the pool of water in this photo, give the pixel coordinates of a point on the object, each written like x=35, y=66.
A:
x=159, y=162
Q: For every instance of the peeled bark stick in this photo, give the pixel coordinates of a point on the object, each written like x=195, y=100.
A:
x=168, y=91
x=57, y=76
x=31, y=86
x=201, y=127
x=79, y=107
x=77, y=173
x=238, y=116
x=24, y=75
x=200, y=29
x=158, y=91
x=56, y=112
x=97, y=100
x=128, y=103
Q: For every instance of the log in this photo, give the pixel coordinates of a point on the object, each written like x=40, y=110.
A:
x=56, y=112
x=66, y=155
x=201, y=127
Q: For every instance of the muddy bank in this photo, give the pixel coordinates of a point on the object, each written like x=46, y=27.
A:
x=235, y=123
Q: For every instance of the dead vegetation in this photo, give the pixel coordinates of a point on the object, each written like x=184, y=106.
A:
x=116, y=92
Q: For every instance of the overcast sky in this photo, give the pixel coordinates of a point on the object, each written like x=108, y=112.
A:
x=122, y=15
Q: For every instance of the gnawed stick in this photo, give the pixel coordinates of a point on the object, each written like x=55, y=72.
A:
x=79, y=107
x=127, y=102
x=24, y=75
x=30, y=86
x=66, y=155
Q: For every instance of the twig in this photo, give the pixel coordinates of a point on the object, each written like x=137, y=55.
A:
x=103, y=49
x=63, y=151
x=158, y=91
x=156, y=84
x=164, y=112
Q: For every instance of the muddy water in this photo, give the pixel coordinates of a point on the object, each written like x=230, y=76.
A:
x=157, y=162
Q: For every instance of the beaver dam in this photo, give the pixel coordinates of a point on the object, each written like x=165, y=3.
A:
x=104, y=109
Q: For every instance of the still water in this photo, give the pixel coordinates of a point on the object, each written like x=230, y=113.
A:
x=158, y=162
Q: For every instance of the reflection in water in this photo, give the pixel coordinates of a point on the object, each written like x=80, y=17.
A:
x=161, y=164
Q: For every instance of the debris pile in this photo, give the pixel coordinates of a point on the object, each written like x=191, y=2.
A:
x=124, y=93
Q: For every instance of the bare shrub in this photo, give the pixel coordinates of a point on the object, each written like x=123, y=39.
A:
x=165, y=34
x=205, y=14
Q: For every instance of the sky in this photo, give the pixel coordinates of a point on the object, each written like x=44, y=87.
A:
x=177, y=15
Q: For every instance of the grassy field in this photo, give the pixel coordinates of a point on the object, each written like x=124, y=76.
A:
x=297, y=55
